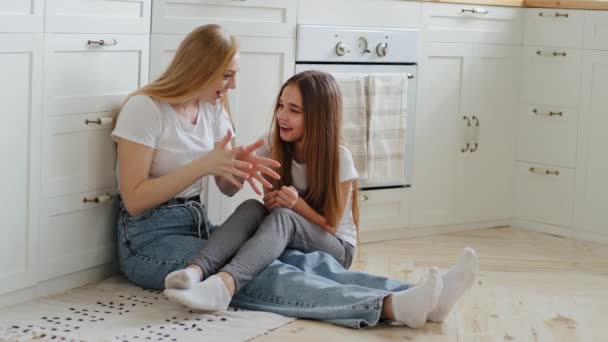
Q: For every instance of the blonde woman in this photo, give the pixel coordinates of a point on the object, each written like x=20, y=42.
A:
x=170, y=135
x=173, y=133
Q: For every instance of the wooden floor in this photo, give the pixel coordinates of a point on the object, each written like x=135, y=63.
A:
x=531, y=287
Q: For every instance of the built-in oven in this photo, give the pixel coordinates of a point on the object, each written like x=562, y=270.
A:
x=372, y=53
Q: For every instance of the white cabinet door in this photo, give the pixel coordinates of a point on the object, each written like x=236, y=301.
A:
x=162, y=50
x=383, y=13
x=79, y=153
x=596, y=30
x=592, y=165
x=440, y=133
x=98, y=16
x=551, y=76
x=487, y=184
x=21, y=98
x=547, y=135
x=79, y=232
x=554, y=27
x=272, y=18
x=21, y=16
x=82, y=76
x=265, y=63
x=462, y=23
x=544, y=193
x=384, y=209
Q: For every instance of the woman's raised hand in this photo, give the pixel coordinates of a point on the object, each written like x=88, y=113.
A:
x=260, y=166
x=221, y=161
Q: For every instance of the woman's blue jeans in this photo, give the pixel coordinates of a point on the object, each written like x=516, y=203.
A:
x=314, y=285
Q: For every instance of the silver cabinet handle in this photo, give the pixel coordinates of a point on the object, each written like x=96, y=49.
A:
x=102, y=42
x=101, y=121
x=364, y=198
x=475, y=134
x=552, y=15
x=550, y=53
x=98, y=199
x=467, y=134
x=474, y=10
x=548, y=113
x=540, y=171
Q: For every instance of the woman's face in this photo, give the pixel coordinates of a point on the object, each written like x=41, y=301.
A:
x=227, y=81
x=290, y=114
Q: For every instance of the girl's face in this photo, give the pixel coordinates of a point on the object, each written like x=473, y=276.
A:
x=290, y=116
x=227, y=81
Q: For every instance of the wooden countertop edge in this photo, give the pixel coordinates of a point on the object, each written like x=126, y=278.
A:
x=564, y=4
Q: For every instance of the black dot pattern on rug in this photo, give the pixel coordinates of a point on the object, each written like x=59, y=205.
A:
x=73, y=322
x=171, y=326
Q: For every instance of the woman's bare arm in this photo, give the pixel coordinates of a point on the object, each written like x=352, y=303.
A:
x=140, y=192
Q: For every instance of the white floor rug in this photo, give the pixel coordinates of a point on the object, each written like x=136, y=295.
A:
x=115, y=310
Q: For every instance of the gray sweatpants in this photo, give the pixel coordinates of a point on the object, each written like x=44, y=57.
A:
x=281, y=229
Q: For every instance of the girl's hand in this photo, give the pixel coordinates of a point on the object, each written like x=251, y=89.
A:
x=259, y=165
x=221, y=162
x=270, y=199
x=287, y=197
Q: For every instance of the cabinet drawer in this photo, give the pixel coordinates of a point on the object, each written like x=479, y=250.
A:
x=554, y=27
x=271, y=18
x=471, y=23
x=75, y=235
x=384, y=209
x=547, y=135
x=544, y=193
x=386, y=13
x=596, y=30
x=99, y=16
x=82, y=76
x=21, y=16
x=80, y=154
x=551, y=76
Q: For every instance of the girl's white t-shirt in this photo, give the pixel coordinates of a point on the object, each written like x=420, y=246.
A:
x=175, y=141
x=347, y=230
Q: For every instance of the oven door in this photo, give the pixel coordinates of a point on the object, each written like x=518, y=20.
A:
x=411, y=115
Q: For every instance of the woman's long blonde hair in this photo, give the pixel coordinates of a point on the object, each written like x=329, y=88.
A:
x=322, y=107
x=200, y=60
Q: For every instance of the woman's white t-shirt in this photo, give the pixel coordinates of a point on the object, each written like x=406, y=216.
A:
x=175, y=141
x=347, y=230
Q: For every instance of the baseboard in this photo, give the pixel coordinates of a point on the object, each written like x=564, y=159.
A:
x=60, y=284
x=404, y=233
x=559, y=231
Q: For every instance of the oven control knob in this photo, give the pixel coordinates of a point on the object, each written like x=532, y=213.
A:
x=341, y=49
x=382, y=49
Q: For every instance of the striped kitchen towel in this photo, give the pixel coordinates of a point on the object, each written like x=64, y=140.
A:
x=354, y=118
x=386, y=150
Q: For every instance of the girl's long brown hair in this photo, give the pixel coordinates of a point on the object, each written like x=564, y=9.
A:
x=322, y=107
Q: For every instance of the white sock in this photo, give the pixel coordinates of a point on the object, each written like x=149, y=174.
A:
x=455, y=283
x=209, y=295
x=412, y=306
x=182, y=279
